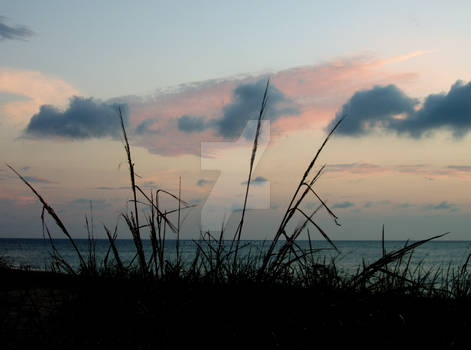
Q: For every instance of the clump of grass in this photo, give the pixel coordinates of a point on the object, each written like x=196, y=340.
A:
x=220, y=261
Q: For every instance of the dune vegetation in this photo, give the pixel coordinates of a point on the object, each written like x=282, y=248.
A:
x=283, y=296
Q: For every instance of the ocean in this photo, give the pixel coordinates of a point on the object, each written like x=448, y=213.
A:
x=35, y=253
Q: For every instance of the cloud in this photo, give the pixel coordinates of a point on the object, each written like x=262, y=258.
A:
x=7, y=97
x=313, y=93
x=356, y=168
x=411, y=168
x=17, y=32
x=34, y=179
x=441, y=206
x=259, y=180
x=343, y=205
x=83, y=119
x=187, y=123
x=464, y=168
x=375, y=107
x=195, y=201
x=106, y=188
x=35, y=89
x=376, y=203
x=148, y=184
x=390, y=109
x=405, y=205
x=244, y=107
x=423, y=170
x=203, y=182
x=431, y=173
x=144, y=127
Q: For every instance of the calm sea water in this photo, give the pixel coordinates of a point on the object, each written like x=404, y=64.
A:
x=35, y=253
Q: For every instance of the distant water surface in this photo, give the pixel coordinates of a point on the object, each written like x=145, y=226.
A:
x=35, y=253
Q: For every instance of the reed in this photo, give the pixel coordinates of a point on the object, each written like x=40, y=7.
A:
x=219, y=261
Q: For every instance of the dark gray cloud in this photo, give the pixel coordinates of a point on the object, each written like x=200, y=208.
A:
x=412, y=168
x=369, y=108
x=192, y=124
x=203, y=182
x=406, y=205
x=244, y=107
x=148, y=184
x=195, y=201
x=441, y=206
x=13, y=32
x=466, y=168
x=376, y=203
x=34, y=179
x=389, y=108
x=259, y=180
x=144, y=127
x=352, y=167
x=343, y=205
x=84, y=118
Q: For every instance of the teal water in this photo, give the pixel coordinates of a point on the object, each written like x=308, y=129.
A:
x=35, y=253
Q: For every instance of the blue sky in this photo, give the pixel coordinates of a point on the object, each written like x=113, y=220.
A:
x=107, y=49
x=194, y=62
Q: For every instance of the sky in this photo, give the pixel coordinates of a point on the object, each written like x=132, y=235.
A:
x=190, y=76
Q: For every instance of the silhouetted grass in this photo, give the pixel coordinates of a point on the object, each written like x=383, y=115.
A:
x=232, y=294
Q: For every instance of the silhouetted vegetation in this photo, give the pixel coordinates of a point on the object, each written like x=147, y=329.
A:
x=283, y=296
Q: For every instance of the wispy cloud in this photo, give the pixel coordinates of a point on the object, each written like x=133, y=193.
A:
x=259, y=180
x=148, y=184
x=34, y=179
x=356, y=168
x=442, y=206
x=463, y=168
x=423, y=170
x=203, y=182
x=406, y=205
x=106, y=188
x=343, y=205
x=376, y=203
x=15, y=32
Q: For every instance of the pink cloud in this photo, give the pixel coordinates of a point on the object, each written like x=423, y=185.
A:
x=429, y=172
x=319, y=91
x=40, y=89
x=360, y=169
x=16, y=199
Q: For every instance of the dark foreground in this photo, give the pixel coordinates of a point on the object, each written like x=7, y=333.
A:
x=58, y=311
